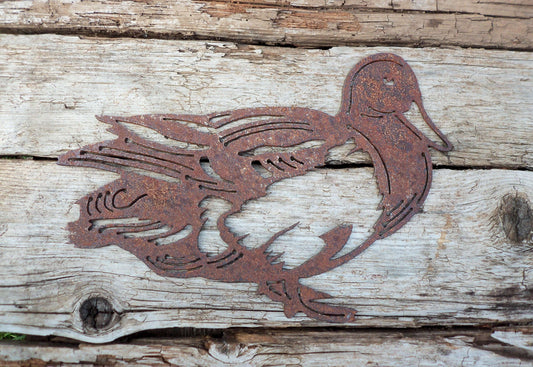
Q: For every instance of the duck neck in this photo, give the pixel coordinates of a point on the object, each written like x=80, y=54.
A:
x=362, y=123
x=385, y=131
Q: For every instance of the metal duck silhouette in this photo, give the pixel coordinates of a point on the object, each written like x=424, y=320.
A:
x=154, y=209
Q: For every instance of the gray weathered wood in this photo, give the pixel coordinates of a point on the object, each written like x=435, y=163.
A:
x=450, y=265
x=52, y=86
x=466, y=260
x=295, y=22
x=295, y=348
x=509, y=8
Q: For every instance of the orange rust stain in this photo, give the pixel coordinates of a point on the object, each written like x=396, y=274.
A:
x=286, y=17
x=227, y=9
x=253, y=338
x=335, y=20
x=440, y=244
x=442, y=240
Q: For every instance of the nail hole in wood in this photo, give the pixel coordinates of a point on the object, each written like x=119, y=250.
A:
x=96, y=313
x=516, y=217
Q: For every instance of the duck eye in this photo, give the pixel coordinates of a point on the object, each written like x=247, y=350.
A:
x=388, y=82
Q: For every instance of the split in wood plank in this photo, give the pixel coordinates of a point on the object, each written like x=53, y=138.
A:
x=293, y=347
x=456, y=23
x=49, y=95
x=450, y=265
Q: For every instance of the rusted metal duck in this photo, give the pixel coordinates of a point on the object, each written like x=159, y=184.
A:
x=155, y=209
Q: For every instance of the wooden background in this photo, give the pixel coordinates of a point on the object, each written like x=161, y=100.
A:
x=453, y=287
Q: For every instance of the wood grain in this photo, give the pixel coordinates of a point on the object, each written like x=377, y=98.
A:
x=450, y=265
x=296, y=348
x=509, y=8
x=49, y=95
x=297, y=22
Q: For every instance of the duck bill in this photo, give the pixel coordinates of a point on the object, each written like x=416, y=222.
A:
x=447, y=146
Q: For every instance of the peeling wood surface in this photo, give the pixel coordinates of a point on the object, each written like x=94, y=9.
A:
x=295, y=348
x=450, y=265
x=49, y=95
x=312, y=23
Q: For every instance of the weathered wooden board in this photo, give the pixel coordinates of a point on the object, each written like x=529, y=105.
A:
x=49, y=95
x=509, y=8
x=294, y=348
x=450, y=265
x=464, y=262
x=296, y=22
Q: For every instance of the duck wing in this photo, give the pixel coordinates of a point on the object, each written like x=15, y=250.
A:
x=170, y=163
x=238, y=145
x=272, y=143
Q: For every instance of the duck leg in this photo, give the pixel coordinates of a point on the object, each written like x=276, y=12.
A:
x=279, y=284
x=323, y=261
x=300, y=298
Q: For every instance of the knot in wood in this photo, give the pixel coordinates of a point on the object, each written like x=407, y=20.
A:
x=516, y=217
x=96, y=313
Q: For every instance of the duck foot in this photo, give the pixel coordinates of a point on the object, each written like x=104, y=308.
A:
x=306, y=303
x=300, y=298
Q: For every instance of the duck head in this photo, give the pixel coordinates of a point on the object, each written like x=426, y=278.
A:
x=384, y=84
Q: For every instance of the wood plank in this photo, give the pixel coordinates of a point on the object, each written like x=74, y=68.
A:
x=48, y=94
x=509, y=8
x=282, y=348
x=302, y=23
x=450, y=265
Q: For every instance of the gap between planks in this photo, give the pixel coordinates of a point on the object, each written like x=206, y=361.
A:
x=329, y=165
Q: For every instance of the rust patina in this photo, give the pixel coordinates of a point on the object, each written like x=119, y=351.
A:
x=154, y=209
